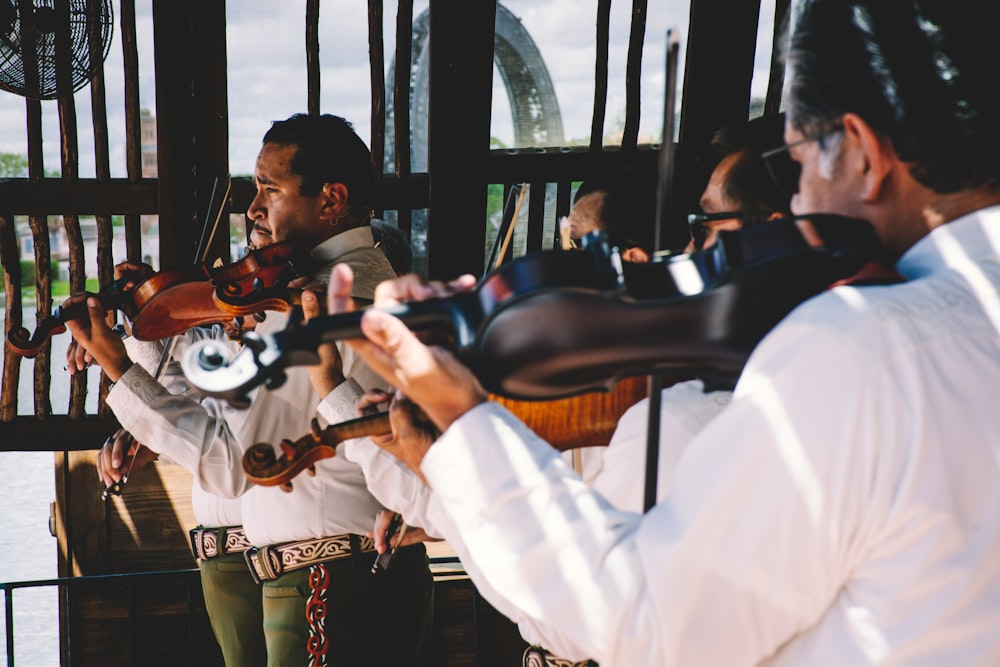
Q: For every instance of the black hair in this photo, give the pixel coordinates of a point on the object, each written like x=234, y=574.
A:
x=749, y=183
x=327, y=150
x=627, y=211
x=920, y=72
x=394, y=245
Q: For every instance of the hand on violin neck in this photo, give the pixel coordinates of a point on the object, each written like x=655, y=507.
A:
x=96, y=341
x=431, y=377
x=329, y=372
x=412, y=433
x=133, y=272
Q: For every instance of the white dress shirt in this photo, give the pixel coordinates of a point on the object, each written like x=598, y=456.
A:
x=842, y=510
x=209, y=438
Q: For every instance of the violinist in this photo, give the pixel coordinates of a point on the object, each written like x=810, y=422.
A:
x=739, y=183
x=287, y=576
x=841, y=509
x=617, y=208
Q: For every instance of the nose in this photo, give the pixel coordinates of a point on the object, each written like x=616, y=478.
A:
x=256, y=210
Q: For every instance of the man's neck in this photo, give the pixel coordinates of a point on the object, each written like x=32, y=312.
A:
x=352, y=220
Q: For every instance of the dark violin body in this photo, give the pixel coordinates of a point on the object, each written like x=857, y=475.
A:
x=172, y=301
x=560, y=323
x=700, y=314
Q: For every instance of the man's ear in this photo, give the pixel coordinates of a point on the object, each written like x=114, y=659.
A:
x=876, y=152
x=334, y=204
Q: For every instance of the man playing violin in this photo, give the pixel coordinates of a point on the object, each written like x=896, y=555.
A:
x=841, y=509
x=287, y=575
x=752, y=193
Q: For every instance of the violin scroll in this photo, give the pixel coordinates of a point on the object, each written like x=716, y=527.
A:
x=264, y=467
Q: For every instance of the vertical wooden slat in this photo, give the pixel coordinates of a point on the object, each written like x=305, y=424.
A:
x=401, y=87
x=312, y=56
x=102, y=166
x=175, y=127
x=29, y=52
x=211, y=129
x=10, y=258
x=564, y=191
x=133, y=128
x=69, y=149
x=776, y=78
x=401, y=96
x=376, y=68
x=462, y=38
x=40, y=238
x=43, y=307
x=600, y=76
x=192, y=128
x=633, y=76
x=536, y=215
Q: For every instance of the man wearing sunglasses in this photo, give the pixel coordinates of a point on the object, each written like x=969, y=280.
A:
x=744, y=189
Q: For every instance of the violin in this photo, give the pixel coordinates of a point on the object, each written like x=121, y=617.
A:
x=580, y=421
x=264, y=468
x=554, y=324
x=171, y=302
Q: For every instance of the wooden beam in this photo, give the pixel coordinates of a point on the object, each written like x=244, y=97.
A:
x=555, y=165
x=390, y=193
x=461, y=56
x=23, y=434
x=86, y=196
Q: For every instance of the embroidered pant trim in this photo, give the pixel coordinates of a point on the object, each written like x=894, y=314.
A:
x=317, y=644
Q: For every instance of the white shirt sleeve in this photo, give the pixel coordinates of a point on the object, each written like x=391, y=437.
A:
x=742, y=542
x=192, y=434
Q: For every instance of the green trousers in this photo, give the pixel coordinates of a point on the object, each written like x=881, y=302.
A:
x=339, y=613
x=235, y=608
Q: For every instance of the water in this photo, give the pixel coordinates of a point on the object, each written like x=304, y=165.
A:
x=28, y=550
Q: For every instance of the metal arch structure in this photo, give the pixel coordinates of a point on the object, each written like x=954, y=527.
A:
x=535, y=109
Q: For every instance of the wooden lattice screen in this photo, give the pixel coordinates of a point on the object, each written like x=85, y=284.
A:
x=45, y=199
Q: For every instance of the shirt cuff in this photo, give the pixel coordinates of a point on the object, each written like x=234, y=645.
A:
x=341, y=403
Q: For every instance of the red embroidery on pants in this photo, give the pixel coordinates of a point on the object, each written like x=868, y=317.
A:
x=317, y=644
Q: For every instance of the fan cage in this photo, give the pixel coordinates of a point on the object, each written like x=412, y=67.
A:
x=83, y=42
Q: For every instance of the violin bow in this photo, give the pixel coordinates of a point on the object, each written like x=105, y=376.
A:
x=511, y=211
x=664, y=186
x=201, y=254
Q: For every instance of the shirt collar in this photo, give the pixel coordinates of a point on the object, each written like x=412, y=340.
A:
x=971, y=238
x=336, y=246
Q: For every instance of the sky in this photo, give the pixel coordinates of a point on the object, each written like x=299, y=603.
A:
x=267, y=69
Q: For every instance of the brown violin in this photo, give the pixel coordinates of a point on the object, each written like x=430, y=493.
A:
x=171, y=302
x=579, y=421
x=263, y=467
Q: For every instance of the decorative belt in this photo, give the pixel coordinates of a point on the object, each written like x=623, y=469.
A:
x=211, y=542
x=536, y=656
x=270, y=562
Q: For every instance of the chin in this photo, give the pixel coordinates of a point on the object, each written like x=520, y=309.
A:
x=260, y=240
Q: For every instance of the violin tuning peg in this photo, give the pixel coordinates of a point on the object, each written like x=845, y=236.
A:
x=287, y=487
x=260, y=317
x=315, y=430
x=311, y=470
x=258, y=284
x=288, y=449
